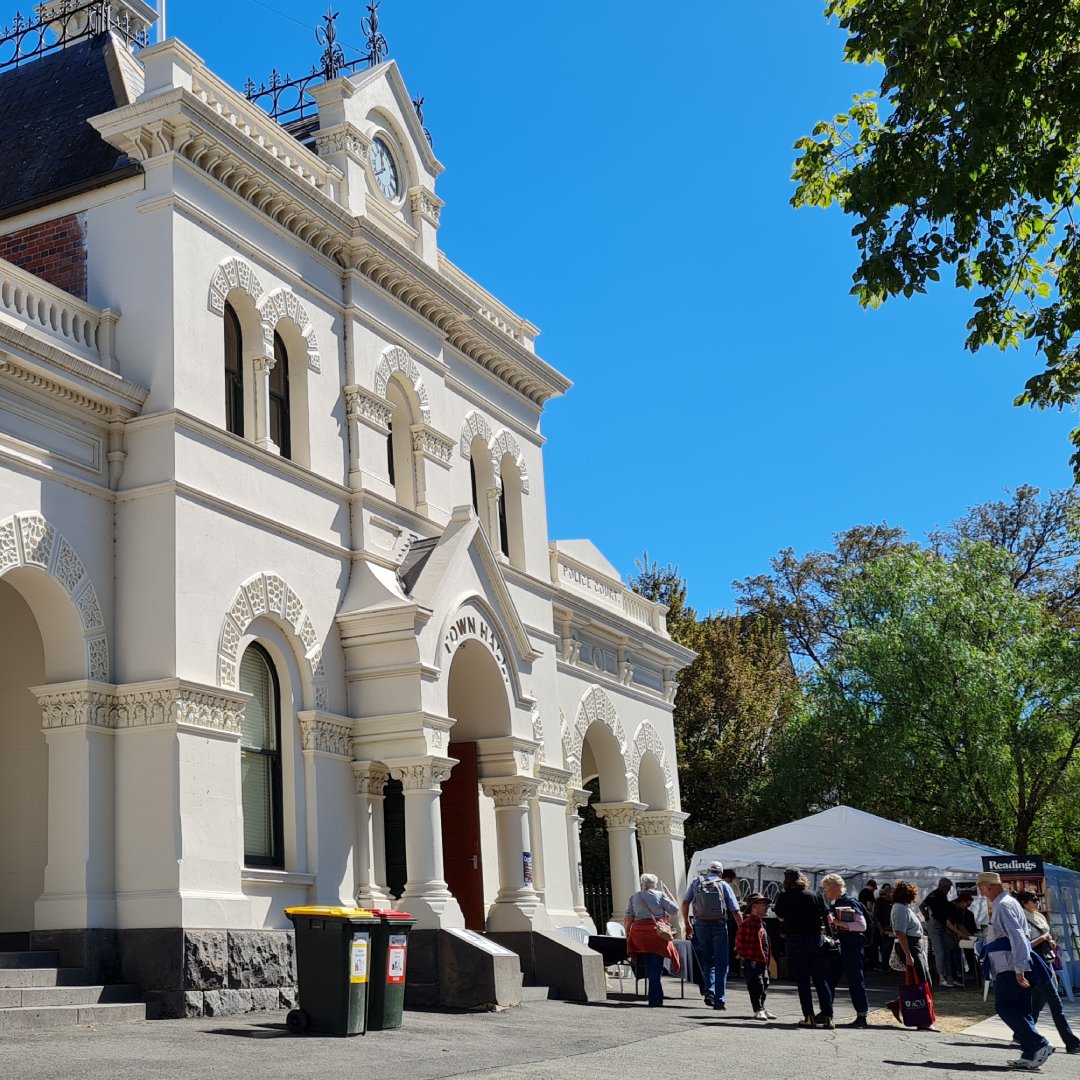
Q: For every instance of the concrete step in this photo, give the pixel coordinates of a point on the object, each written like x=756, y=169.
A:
x=37, y=997
x=28, y=959
x=50, y=976
x=48, y=1016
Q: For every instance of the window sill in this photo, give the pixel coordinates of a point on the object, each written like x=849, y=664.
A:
x=259, y=878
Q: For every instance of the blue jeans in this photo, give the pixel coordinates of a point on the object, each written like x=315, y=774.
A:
x=654, y=970
x=807, y=964
x=711, y=942
x=1047, y=994
x=1013, y=1004
x=848, y=962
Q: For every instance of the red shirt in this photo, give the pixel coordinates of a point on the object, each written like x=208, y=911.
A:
x=752, y=940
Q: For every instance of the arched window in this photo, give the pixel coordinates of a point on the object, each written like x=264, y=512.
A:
x=260, y=761
x=472, y=480
x=234, y=373
x=511, y=513
x=399, y=452
x=280, y=419
x=482, y=477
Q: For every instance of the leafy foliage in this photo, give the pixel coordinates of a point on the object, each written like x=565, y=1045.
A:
x=967, y=158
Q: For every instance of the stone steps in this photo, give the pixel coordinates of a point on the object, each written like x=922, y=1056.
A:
x=49, y=1016
x=35, y=993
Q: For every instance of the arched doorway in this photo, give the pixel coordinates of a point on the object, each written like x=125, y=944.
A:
x=24, y=761
x=604, y=777
x=478, y=704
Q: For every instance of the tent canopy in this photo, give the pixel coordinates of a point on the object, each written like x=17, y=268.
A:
x=845, y=839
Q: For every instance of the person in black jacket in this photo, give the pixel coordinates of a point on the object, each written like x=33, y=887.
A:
x=803, y=917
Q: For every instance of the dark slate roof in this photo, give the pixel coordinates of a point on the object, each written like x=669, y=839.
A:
x=413, y=563
x=44, y=105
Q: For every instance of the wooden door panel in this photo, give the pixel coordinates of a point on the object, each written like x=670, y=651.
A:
x=460, y=808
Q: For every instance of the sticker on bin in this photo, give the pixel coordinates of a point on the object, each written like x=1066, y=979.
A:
x=395, y=958
x=358, y=959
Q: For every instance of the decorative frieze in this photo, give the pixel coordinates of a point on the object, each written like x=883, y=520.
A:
x=426, y=204
x=475, y=426
x=284, y=304
x=343, y=139
x=504, y=443
x=368, y=408
x=395, y=360
x=233, y=274
x=553, y=783
x=432, y=444
x=83, y=705
x=326, y=734
x=661, y=823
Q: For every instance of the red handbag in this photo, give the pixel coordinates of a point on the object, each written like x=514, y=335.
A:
x=916, y=1002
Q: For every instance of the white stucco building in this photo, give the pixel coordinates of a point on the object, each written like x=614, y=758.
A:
x=280, y=618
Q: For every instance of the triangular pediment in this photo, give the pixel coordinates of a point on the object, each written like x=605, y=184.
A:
x=462, y=565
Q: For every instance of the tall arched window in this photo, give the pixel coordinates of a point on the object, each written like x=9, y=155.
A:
x=234, y=373
x=280, y=419
x=504, y=537
x=511, y=513
x=482, y=477
x=400, y=466
x=260, y=761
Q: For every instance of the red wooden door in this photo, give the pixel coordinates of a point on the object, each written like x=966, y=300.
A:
x=461, y=835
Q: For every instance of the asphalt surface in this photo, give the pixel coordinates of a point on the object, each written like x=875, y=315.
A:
x=546, y=1040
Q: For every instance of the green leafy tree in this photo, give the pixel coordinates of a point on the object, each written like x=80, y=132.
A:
x=952, y=703
x=966, y=160
x=732, y=701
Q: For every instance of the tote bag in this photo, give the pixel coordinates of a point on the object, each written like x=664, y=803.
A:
x=916, y=1002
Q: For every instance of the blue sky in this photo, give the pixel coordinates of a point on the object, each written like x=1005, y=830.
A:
x=618, y=173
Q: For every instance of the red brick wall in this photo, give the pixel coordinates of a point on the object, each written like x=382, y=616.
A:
x=53, y=250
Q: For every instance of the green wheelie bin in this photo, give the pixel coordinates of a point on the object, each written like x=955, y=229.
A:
x=389, y=953
x=333, y=965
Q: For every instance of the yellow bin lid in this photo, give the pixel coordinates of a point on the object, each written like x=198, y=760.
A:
x=332, y=912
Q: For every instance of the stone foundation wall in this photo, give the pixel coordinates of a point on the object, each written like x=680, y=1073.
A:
x=188, y=973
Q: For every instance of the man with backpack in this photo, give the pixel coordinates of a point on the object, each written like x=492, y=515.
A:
x=705, y=910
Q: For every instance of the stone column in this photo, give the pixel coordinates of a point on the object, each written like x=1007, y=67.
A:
x=517, y=905
x=371, y=891
x=426, y=894
x=661, y=835
x=620, y=820
x=79, y=721
x=262, y=365
x=577, y=799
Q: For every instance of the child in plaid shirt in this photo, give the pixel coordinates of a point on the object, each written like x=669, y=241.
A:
x=752, y=947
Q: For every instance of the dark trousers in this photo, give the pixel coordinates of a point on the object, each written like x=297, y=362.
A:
x=1047, y=994
x=757, y=983
x=807, y=965
x=654, y=972
x=1013, y=1003
x=848, y=963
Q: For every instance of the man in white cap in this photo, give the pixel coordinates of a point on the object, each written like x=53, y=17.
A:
x=709, y=900
x=1009, y=954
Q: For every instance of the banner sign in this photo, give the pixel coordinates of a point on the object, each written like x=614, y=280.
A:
x=1025, y=866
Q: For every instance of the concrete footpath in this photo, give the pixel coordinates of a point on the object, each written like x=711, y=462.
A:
x=547, y=1040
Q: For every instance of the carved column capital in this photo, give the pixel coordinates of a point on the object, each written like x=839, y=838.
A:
x=370, y=778
x=619, y=815
x=326, y=734
x=576, y=799
x=661, y=823
x=515, y=791
x=426, y=775
x=82, y=704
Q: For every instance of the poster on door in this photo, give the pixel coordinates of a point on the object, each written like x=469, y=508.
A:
x=527, y=867
x=358, y=959
x=395, y=958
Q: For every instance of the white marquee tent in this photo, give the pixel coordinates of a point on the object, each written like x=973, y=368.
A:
x=859, y=846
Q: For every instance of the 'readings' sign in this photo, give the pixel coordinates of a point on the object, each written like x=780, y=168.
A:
x=472, y=625
x=1014, y=865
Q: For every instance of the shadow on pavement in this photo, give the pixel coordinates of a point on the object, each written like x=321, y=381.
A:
x=951, y=1066
x=253, y=1031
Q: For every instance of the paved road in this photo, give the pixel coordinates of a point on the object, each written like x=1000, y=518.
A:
x=547, y=1040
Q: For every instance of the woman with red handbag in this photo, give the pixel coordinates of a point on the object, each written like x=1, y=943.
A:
x=649, y=933
x=911, y=943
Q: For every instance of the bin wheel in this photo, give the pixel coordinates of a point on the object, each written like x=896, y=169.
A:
x=297, y=1021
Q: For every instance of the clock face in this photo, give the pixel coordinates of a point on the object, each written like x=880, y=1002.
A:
x=386, y=174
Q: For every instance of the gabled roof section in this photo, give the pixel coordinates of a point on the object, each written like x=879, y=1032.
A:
x=392, y=74
x=436, y=585
x=49, y=148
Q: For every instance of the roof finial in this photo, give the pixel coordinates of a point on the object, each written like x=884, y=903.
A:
x=376, y=43
x=333, y=57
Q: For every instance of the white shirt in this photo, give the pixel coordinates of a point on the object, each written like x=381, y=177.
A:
x=1009, y=920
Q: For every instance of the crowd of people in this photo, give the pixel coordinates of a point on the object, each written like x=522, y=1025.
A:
x=833, y=936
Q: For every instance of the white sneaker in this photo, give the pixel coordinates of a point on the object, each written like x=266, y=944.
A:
x=1042, y=1054
x=761, y=1015
x=1021, y=1063
x=769, y=1015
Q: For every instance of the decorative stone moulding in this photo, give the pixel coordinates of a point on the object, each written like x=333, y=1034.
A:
x=511, y=792
x=326, y=734
x=370, y=778
x=426, y=204
x=505, y=443
x=597, y=707
x=421, y=776
x=647, y=741
x=343, y=139
x=268, y=594
x=661, y=823
x=368, y=408
x=432, y=444
x=538, y=734
x=283, y=304
x=395, y=360
x=475, y=426
x=30, y=540
x=233, y=274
